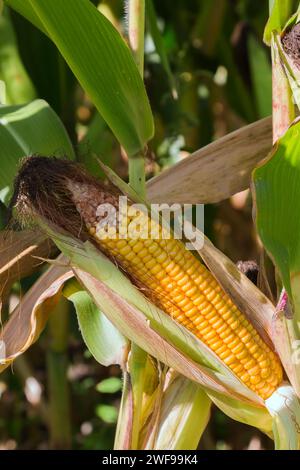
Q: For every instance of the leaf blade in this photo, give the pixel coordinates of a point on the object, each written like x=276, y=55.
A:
x=102, y=63
x=19, y=137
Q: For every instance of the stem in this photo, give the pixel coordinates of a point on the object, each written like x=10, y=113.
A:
x=138, y=370
x=123, y=436
x=136, y=31
x=283, y=107
x=57, y=362
x=137, y=180
x=136, y=34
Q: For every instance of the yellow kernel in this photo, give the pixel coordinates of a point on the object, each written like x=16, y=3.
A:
x=249, y=364
x=224, y=334
x=230, y=360
x=189, y=289
x=244, y=377
x=264, y=364
x=210, y=335
x=192, y=311
x=199, y=300
x=264, y=373
x=221, y=349
x=254, y=370
x=157, y=270
x=201, y=323
x=254, y=379
x=224, y=354
x=222, y=328
x=243, y=354
x=237, y=368
x=229, y=338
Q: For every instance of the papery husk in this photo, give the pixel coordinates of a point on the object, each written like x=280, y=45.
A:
x=29, y=318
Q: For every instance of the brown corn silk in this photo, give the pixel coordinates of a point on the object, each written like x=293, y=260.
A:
x=173, y=278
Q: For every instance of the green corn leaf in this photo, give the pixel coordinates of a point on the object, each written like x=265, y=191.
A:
x=102, y=339
x=101, y=61
x=276, y=185
x=25, y=130
x=280, y=13
x=276, y=188
x=25, y=9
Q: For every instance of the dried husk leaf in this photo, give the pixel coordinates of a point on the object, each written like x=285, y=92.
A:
x=123, y=436
x=230, y=159
x=29, y=318
x=18, y=252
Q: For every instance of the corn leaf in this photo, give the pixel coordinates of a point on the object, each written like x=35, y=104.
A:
x=196, y=179
x=285, y=335
x=102, y=63
x=28, y=12
x=280, y=12
x=102, y=339
x=28, y=129
x=276, y=188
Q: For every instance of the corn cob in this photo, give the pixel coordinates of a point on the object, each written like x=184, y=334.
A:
x=184, y=288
